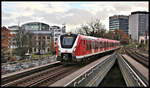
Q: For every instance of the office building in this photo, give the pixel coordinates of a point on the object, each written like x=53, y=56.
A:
x=119, y=22
x=138, y=24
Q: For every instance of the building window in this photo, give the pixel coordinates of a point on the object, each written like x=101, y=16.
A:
x=48, y=37
x=43, y=37
x=55, y=43
x=39, y=37
x=37, y=43
x=34, y=49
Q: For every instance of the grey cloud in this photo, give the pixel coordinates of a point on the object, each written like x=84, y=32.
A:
x=6, y=14
x=49, y=17
x=25, y=19
x=122, y=7
x=102, y=14
x=78, y=16
x=8, y=21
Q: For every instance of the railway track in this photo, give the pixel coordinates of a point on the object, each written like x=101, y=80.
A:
x=144, y=56
x=43, y=78
x=46, y=76
x=141, y=59
x=24, y=73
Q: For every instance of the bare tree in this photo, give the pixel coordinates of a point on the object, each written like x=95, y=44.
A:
x=84, y=30
x=94, y=28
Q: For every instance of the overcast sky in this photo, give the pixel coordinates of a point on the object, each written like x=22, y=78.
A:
x=73, y=14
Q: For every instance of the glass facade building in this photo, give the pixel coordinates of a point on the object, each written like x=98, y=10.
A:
x=35, y=26
x=118, y=22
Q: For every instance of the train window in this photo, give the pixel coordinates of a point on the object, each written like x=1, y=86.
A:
x=67, y=41
x=83, y=42
x=90, y=44
x=86, y=45
x=104, y=44
x=95, y=44
x=107, y=44
x=101, y=44
x=98, y=44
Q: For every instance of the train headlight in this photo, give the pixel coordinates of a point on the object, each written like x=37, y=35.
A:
x=73, y=54
x=74, y=50
x=59, y=52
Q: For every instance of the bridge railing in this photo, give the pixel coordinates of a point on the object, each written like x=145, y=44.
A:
x=94, y=75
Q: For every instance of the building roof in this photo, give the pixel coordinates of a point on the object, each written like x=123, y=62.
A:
x=139, y=12
x=34, y=23
x=40, y=32
x=55, y=27
x=15, y=27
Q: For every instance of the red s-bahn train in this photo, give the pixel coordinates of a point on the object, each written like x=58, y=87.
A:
x=73, y=48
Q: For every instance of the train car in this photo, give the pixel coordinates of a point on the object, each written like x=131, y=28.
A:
x=73, y=48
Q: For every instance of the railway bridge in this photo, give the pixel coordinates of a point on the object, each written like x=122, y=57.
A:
x=135, y=73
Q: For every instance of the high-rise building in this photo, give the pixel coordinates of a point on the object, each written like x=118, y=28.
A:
x=119, y=22
x=138, y=24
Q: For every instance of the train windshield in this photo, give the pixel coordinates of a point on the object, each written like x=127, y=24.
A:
x=67, y=41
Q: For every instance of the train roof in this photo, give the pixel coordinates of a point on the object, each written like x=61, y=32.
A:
x=84, y=37
x=88, y=37
x=95, y=38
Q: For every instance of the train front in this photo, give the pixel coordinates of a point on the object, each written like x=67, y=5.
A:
x=66, y=46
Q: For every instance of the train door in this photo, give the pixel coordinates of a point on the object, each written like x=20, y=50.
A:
x=98, y=46
x=92, y=46
x=101, y=46
x=84, y=47
x=104, y=45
